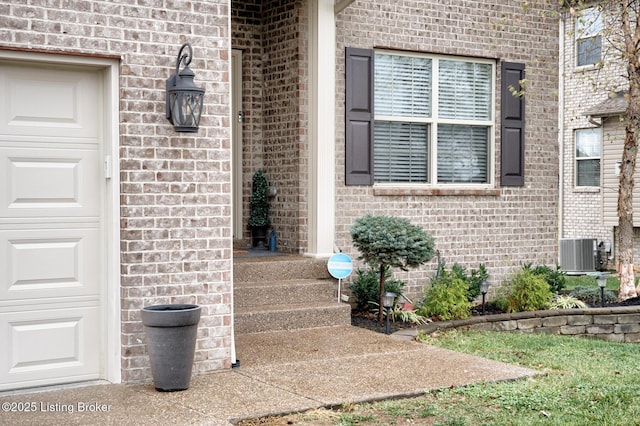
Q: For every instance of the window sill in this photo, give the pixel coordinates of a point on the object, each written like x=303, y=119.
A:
x=587, y=189
x=586, y=68
x=404, y=191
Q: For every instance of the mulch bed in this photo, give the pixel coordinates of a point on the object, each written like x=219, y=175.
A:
x=370, y=321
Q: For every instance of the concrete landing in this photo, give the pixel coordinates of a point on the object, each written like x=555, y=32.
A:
x=280, y=372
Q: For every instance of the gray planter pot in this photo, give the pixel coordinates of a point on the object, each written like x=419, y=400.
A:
x=171, y=342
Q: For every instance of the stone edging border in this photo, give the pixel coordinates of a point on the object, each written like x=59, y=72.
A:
x=615, y=324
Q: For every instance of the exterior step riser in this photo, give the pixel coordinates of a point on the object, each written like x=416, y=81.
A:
x=263, y=271
x=262, y=321
x=286, y=293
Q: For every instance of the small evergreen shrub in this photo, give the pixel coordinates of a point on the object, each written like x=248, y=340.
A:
x=528, y=292
x=554, y=277
x=473, y=280
x=446, y=298
x=591, y=295
x=499, y=304
x=365, y=288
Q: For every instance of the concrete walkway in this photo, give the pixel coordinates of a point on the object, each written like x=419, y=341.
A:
x=280, y=372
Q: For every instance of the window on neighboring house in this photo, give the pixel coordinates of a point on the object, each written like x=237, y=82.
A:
x=433, y=119
x=588, y=144
x=588, y=37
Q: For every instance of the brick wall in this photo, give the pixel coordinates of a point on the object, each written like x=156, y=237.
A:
x=175, y=191
x=502, y=229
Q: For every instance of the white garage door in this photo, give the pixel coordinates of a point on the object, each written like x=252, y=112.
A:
x=51, y=243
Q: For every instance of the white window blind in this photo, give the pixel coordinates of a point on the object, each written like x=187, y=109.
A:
x=588, y=37
x=588, y=145
x=464, y=90
x=423, y=138
x=401, y=152
x=462, y=153
x=403, y=86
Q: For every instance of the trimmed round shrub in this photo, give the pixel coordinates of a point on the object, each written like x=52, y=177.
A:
x=528, y=291
x=446, y=298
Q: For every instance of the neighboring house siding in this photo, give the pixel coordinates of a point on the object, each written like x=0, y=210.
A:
x=502, y=227
x=591, y=212
x=174, y=194
x=582, y=207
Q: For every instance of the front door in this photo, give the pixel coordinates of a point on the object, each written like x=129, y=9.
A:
x=52, y=269
x=237, y=116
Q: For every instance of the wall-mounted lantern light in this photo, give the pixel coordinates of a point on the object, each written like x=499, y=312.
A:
x=184, y=99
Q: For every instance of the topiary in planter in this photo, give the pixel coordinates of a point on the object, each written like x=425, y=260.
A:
x=259, y=219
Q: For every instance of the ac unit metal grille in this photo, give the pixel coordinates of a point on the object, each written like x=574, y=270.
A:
x=578, y=255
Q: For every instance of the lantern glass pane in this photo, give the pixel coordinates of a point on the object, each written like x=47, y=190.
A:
x=186, y=109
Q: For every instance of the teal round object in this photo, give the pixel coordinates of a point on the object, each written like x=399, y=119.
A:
x=340, y=266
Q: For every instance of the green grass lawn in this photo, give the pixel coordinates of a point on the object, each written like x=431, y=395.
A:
x=573, y=281
x=587, y=382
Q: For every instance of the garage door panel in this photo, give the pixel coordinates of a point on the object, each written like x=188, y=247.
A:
x=38, y=100
x=49, y=263
x=52, y=193
x=49, y=183
x=45, y=344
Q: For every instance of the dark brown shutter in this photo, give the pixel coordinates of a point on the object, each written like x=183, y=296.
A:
x=512, y=124
x=359, y=117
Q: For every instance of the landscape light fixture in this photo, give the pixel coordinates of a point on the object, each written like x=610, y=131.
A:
x=602, y=283
x=184, y=99
x=484, y=288
x=387, y=303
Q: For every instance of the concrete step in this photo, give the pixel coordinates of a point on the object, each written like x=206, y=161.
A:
x=285, y=293
x=258, y=319
x=282, y=268
x=266, y=293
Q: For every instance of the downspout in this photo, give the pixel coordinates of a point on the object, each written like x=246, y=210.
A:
x=561, y=60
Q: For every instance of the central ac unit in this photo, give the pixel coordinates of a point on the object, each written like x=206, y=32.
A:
x=578, y=255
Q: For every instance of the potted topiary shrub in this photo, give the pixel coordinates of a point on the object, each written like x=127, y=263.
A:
x=259, y=220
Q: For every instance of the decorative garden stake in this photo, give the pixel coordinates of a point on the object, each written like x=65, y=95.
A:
x=484, y=288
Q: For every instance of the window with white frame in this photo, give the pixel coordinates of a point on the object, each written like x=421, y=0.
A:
x=588, y=145
x=588, y=37
x=434, y=119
